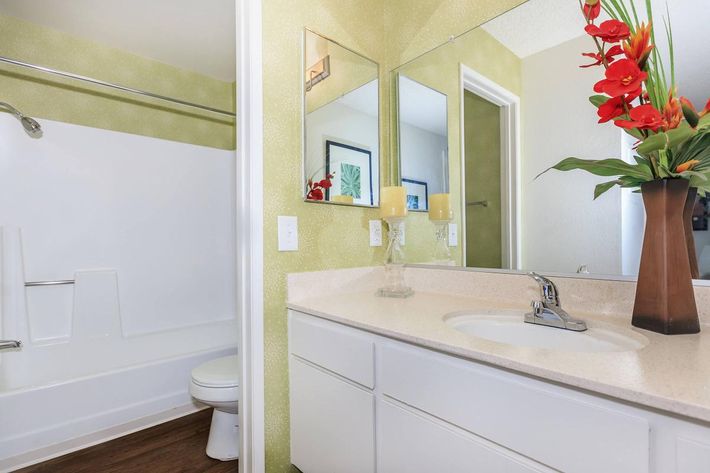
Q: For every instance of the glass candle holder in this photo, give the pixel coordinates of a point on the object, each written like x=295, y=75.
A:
x=394, y=262
x=442, y=254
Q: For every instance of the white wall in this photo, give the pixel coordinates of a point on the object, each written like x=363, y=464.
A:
x=562, y=227
x=346, y=125
x=147, y=224
x=423, y=157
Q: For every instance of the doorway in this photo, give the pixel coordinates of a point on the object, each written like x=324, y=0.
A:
x=490, y=162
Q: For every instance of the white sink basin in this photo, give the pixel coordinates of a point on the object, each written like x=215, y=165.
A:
x=508, y=327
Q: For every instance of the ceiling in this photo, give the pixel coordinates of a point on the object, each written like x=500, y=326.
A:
x=197, y=35
x=538, y=25
x=421, y=106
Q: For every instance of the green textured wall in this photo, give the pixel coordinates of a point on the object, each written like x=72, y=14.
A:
x=482, y=168
x=330, y=236
x=44, y=96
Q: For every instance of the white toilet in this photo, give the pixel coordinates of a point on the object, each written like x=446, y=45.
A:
x=216, y=383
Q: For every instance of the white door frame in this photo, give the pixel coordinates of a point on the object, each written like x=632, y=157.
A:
x=250, y=248
x=509, y=104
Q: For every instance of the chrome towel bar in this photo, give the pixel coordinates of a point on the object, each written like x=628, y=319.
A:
x=8, y=344
x=59, y=282
x=482, y=203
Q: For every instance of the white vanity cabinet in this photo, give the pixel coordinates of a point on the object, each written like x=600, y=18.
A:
x=361, y=402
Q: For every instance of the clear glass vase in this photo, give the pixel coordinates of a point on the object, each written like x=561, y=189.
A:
x=394, y=262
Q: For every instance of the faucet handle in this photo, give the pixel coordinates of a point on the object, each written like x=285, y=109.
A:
x=537, y=308
x=548, y=290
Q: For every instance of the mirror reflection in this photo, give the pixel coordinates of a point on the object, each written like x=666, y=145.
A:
x=518, y=104
x=341, y=124
x=423, y=139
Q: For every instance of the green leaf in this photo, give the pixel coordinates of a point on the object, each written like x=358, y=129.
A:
x=603, y=187
x=680, y=134
x=598, y=100
x=604, y=167
x=653, y=143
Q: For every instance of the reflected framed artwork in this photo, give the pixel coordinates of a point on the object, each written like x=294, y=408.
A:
x=351, y=167
x=417, y=194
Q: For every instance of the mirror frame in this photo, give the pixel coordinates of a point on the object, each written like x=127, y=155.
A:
x=378, y=183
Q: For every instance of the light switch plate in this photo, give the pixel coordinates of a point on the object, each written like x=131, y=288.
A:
x=288, y=233
x=453, y=234
x=375, y=232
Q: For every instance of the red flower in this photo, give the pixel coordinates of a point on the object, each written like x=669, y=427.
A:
x=325, y=184
x=591, y=12
x=315, y=194
x=638, y=46
x=609, y=31
x=614, y=107
x=623, y=77
x=608, y=56
x=643, y=117
x=706, y=110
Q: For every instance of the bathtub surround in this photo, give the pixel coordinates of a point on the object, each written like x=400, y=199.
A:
x=82, y=204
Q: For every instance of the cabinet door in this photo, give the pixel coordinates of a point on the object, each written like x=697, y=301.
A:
x=412, y=443
x=332, y=422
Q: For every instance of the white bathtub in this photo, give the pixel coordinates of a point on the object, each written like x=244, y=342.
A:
x=77, y=394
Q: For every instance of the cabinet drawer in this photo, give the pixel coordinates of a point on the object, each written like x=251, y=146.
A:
x=332, y=423
x=342, y=350
x=414, y=444
x=566, y=431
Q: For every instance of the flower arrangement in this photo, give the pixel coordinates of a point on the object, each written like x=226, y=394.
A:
x=635, y=93
x=315, y=190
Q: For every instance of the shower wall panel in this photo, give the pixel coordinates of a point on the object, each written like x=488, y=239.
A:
x=145, y=227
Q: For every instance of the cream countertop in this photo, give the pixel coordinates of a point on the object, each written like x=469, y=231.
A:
x=671, y=373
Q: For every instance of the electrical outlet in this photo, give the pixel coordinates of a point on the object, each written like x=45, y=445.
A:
x=375, y=232
x=288, y=233
x=453, y=235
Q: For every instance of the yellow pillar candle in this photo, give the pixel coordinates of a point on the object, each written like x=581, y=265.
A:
x=440, y=207
x=342, y=199
x=393, y=202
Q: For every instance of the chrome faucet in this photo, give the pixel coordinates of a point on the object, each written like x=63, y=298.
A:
x=548, y=311
x=7, y=344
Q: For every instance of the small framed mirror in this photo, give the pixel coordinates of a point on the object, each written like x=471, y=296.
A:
x=341, y=159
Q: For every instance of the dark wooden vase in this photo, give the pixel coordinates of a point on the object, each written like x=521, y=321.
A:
x=665, y=301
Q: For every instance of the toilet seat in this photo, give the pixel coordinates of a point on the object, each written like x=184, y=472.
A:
x=216, y=381
x=219, y=373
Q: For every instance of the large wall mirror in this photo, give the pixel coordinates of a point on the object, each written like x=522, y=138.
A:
x=518, y=103
x=341, y=162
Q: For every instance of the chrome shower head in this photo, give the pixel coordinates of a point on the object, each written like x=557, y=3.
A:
x=33, y=129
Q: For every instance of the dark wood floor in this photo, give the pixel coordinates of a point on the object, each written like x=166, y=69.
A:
x=177, y=446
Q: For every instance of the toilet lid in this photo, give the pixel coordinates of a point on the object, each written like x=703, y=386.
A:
x=222, y=372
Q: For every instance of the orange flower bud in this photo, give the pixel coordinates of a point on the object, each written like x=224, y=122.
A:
x=687, y=166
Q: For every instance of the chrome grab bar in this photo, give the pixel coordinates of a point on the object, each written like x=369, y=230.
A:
x=7, y=344
x=59, y=282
